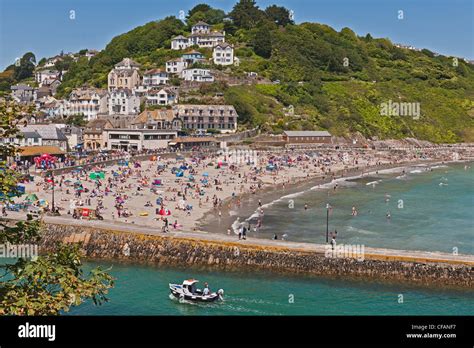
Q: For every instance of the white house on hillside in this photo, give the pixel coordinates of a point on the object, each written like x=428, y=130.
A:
x=180, y=43
x=155, y=77
x=122, y=101
x=176, y=66
x=199, y=75
x=223, y=54
x=161, y=97
x=201, y=35
x=200, y=27
x=88, y=102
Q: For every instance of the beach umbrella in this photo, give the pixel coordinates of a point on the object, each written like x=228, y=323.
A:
x=43, y=202
x=179, y=174
x=164, y=212
x=205, y=174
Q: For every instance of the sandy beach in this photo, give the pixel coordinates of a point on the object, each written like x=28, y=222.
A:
x=183, y=191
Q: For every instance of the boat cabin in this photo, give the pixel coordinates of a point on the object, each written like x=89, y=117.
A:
x=190, y=285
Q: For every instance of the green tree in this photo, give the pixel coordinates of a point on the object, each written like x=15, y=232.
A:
x=26, y=67
x=76, y=120
x=205, y=13
x=198, y=8
x=246, y=14
x=279, y=15
x=262, y=42
x=49, y=284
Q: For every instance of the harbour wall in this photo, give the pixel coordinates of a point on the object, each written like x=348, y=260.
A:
x=108, y=244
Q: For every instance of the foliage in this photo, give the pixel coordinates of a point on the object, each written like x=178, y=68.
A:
x=49, y=284
x=278, y=15
x=246, y=14
x=205, y=13
x=76, y=120
x=26, y=67
x=262, y=42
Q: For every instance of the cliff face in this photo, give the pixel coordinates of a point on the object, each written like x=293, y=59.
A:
x=107, y=244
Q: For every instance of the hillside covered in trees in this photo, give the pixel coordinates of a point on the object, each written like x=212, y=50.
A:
x=333, y=80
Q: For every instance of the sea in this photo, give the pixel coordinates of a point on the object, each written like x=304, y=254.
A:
x=423, y=207
x=431, y=208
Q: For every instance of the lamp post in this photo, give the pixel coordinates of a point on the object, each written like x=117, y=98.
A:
x=327, y=222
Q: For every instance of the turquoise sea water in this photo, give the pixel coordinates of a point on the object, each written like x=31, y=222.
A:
x=433, y=217
x=431, y=209
x=142, y=290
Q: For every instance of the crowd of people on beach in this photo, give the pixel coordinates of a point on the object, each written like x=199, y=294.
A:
x=172, y=193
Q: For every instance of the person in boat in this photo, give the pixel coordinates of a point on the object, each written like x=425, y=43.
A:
x=206, y=290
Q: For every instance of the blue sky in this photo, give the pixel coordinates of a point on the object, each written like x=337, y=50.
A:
x=44, y=27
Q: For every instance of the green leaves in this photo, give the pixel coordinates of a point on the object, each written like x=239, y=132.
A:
x=51, y=283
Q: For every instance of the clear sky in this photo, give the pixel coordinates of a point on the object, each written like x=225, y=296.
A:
x=45, y=28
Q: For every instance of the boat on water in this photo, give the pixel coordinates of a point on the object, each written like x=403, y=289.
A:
x=189, y=292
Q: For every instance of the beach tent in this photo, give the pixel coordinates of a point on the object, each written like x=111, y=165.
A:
x=183, y=167
x=205, y=174
x=157, y=182
x=97, y=175
x=159, y=200
x=179, y=174
x=31, y=197
x=270, y=167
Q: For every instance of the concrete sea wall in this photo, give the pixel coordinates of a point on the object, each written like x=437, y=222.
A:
x=98, y=243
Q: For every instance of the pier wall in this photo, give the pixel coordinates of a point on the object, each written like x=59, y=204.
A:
x=100, y=243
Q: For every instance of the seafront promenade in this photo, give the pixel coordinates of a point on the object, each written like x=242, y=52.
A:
x=369, y=253
x=119, y=242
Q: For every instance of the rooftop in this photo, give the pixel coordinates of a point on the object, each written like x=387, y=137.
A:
x=40, y=150
x=46, y=131
x=307, y=133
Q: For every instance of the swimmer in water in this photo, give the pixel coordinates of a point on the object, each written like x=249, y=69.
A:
x=354, y=211
x=306, y=206
x=388, y=215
